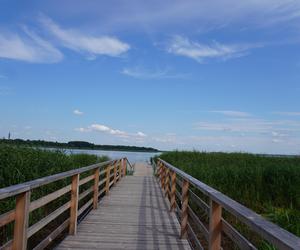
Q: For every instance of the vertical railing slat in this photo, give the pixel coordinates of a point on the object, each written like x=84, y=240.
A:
x=124, y=166
x=184, y=208
x=173, y=191
x=115, y=172
x=215, y=225
x=21, y=221
x=74, y=204
x=107, y=180
x=96, y=188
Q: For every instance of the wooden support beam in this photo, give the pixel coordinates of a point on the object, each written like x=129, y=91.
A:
x=107, y=180
x=159, y=170
x=115, y=172
x=74, y=204
x=184, y=208
x=96, y=188
x=21, y=221
x=215, y=225
x=120, y=169
x=167, y=185
x=173, y=191
x=162, y=181
x=124, y=166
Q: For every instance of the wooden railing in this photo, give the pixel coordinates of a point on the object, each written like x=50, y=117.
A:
x=188, y=203
x=104, y=176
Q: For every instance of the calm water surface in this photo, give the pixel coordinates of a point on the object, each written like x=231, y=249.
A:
x=131, y=156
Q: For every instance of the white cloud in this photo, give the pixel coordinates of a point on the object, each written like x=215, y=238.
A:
x=92, y=45
x=29, y=47
x=287, y=113
x=182, y=46
x=111, y=131
x=231, y=113
x=140, y=73
x=141, y=134
x=77, y=112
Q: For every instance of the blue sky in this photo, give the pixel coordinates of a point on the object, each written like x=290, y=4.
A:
x=205, y=75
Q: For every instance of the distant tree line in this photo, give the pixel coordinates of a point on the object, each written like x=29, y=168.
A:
x=76, y=145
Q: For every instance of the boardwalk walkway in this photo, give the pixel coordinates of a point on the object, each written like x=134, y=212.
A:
x=135, y=215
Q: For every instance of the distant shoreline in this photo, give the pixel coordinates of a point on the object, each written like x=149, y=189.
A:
x=80, y=145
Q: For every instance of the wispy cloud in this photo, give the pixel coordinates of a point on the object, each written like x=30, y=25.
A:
x=77, y=112
x=80, y=42
x=28, y=47
x=182, y=46
x=115, y=132
x=251, y=125
x=287, y=113
x=141, y=73
x=231, y=113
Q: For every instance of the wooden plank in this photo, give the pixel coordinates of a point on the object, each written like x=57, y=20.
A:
x=194, y=238
x=107, y=179
x=74, y=204
x=236, y=237
x=86, y=179
x=7, y=246
x=167, y=180
x=43, y=222
x=115, y=172
x=21, y=221
x=85, y=206
x=124, y=166
x=199, y=202
x=48, y=198
x=184, y=209
x=135, y=215
x=96, y=188
x=85, y=193
x=7, y=217
x=198, y=223
x=44, y=243
x=173, y=191
x=215, y=225
x=120, y=168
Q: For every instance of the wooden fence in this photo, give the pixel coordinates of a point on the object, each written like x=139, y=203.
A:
x=104, y=176
x=187, y=204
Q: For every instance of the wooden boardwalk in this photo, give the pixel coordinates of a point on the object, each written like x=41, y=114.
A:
x=134, y=215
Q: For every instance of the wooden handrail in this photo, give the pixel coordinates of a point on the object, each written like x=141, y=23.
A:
x=269, y=231
x=20, y=215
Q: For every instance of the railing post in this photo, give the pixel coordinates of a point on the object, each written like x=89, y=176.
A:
x=21, y=221
x=167, y=180
x=173, y=191
x=162, y=177
x=159, y=170
x=96, y=188
x=107, y=180
x=215, y=226
x=74, y=204
x=184, y=208
x=115, y=172
x=124, y=166
x=120, y=169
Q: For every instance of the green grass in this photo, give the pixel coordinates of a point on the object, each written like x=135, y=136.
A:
x=19, y=164
x=268, y=185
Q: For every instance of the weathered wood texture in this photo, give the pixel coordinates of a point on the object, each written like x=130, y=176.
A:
x=134, y=216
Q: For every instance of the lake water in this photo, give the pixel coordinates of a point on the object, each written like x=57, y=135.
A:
x=131, y=156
